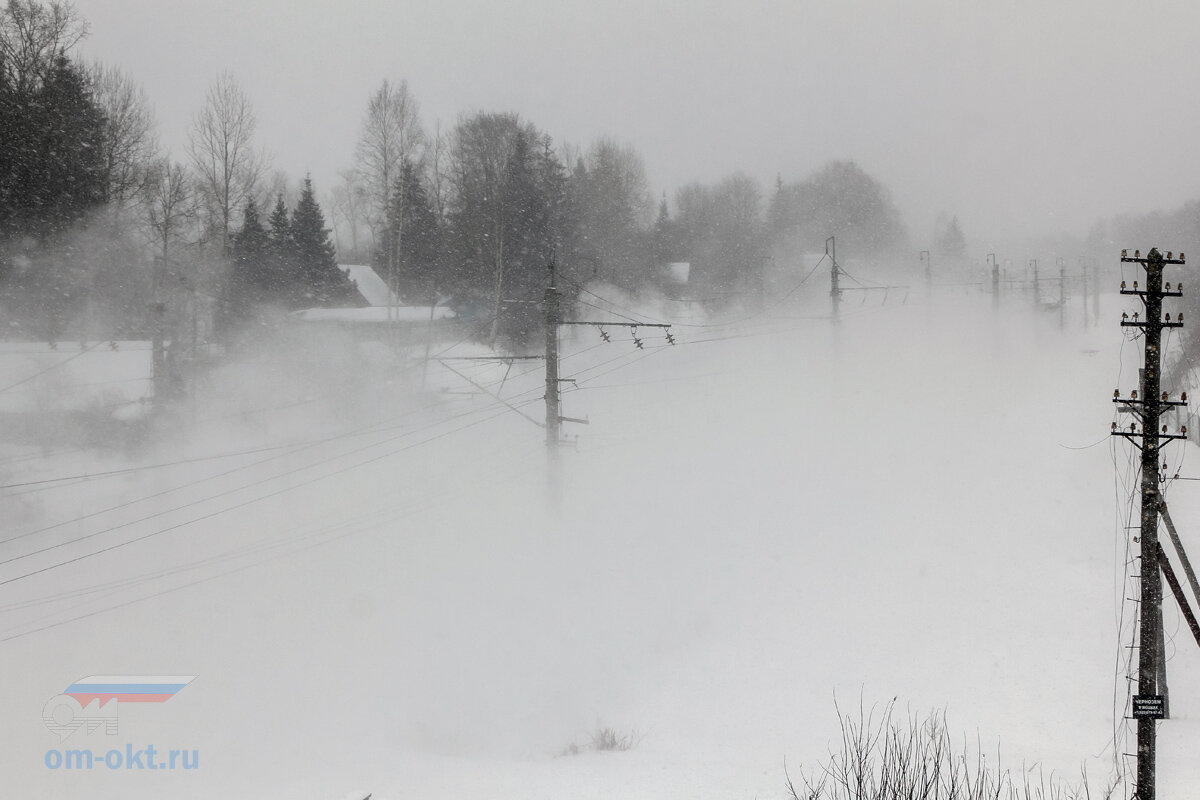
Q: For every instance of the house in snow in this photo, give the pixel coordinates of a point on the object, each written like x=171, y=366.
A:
x=372, y=288
x=382, y=318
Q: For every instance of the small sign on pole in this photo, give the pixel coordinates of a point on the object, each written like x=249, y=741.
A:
x=1148, y=706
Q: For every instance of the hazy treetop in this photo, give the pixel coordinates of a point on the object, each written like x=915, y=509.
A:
x=1023, y=116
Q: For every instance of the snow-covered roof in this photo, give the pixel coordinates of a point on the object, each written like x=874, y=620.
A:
x=373, y=315
x=372, y=287
x=678, y=271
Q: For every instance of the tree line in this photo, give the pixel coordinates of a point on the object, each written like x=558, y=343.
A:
x=97, y=225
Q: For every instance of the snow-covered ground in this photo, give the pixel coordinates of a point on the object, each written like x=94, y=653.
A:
x=376, y=594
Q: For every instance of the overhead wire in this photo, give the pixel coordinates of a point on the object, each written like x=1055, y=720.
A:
x=312, y=539
x=40, y=373
x=85, y=476
x=775, y=302
x=380, y=426
x=217, y=495
x=632, y=357
x=111, y=587
x=296, y=447
x=206, y=579
x=226, y=509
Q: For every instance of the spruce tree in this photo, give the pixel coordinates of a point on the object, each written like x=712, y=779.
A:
x=51, y=176
x=527, y=240
x=413, y=225
x=250, y=282
x=563, y=213
x=664, y=239
x=50, y=135
x=278, y=269
x=320, y=281
x=952, y=244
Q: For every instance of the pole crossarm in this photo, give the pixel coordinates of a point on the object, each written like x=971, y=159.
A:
x=616, y=324
x=1149, y=323
x=1137, y=259
x=1135, y=402
x=1161, y=436
x=1133, y=437
x=488, y=358
x=1140, y=293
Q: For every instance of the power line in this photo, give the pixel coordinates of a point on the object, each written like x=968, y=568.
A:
x=127, y=470
x=228, y=555
x=224, y=510
x=383, y=425
x=51, y=368
x=777, y=301
x=299, y=447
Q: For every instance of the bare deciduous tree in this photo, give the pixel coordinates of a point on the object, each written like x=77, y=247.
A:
x=616, y=208
x=479, y=162
x=129, y=142
x=391, y=133
x=278, y=184
x=168, y=203
x=349, y=209
x=32, y=36
x=221, y=148
x=437, y=170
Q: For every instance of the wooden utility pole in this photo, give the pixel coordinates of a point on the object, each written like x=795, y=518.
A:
x=552, y=310
x=1037, y=287
x=1083, y=269
x=397, y=237
x=834, y=291
x=1062, y=294
x=995, y=280
x=1149, y=705
x=158, y=359
x=550, y=307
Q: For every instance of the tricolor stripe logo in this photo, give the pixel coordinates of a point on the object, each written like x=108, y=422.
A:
x=127, y=688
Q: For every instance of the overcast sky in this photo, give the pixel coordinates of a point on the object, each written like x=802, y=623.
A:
x=1016, y=116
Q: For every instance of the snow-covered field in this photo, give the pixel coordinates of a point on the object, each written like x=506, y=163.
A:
x=377, y=594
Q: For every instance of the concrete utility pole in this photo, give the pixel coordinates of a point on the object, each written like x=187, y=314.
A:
x=550, y=308
x=1084, y=270
x=928, y=262
x=1149, y=705
x=158, y=360
x=397, y=237
x=1037, y=287
x=991, y=257
x=552, y=311
x=1062, y=293
x=834, y=292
